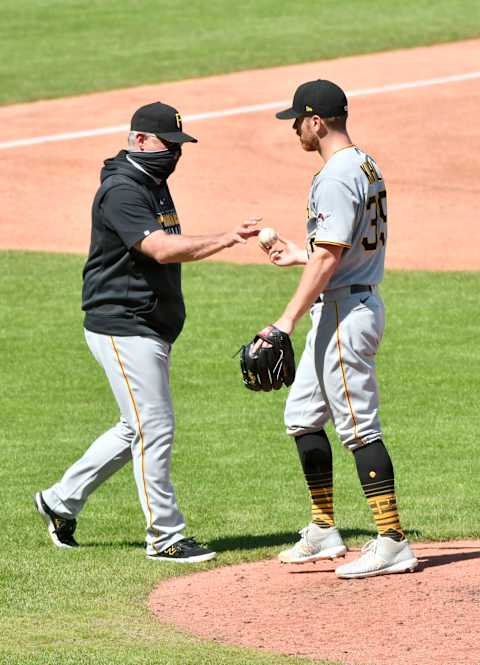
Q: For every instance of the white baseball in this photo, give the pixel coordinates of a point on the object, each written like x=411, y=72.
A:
x=267, y=237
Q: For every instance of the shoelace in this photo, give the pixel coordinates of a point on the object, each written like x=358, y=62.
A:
x=304, y=535
x=370, y=555
x=371, y=546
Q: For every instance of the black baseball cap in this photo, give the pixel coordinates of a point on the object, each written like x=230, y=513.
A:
x=162, y=120
x=320, y=97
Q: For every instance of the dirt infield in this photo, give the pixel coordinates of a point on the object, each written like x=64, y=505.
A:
x=426, y=138
x=431, y=617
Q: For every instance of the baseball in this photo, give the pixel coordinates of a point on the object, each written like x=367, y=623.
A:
x=267, y=237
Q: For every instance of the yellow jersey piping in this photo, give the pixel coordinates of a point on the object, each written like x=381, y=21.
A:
x=345, y=147
x=330, y=242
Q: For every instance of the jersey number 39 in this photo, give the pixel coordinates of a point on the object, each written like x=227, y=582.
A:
x=378, y=216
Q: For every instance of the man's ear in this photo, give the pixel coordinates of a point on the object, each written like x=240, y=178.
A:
x=140, y=140
x=319, y=126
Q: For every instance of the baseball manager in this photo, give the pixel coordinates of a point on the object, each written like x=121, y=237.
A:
x=134, y=312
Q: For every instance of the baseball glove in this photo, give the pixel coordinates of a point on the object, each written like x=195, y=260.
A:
x=269, y=367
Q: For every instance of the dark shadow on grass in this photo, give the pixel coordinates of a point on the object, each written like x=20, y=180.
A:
x=243, y=542
x=252, y=542
x=126, y=544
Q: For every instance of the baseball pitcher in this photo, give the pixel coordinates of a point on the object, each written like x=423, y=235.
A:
x=344, y=263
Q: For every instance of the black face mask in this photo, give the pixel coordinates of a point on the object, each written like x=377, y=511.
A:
x=159, y=164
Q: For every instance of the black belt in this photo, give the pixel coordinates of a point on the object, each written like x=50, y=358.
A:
x=360, y=288
x=354, y=288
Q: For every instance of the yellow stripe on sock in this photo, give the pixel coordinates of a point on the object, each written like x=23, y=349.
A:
x=322, y=506
x=385, y=512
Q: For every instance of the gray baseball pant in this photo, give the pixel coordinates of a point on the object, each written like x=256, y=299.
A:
x=138, y=372
x=336, y=376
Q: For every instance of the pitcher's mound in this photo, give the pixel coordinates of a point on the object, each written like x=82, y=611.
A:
x=430, y=617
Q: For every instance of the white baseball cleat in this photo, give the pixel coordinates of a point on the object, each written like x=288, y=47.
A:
x=315, y=544
x=381, y=556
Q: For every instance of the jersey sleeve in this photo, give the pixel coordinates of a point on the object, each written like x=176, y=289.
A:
x=129, y=214
x=336, y=211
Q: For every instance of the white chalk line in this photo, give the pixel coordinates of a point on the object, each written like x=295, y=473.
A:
x=239, y=110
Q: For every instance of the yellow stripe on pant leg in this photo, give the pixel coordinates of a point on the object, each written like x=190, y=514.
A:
x=344, y=377
x=140, y=432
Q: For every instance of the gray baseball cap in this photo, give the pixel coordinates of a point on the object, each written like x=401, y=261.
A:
x=320, y=97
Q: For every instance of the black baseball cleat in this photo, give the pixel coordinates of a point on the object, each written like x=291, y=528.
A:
x=61, y=529
x=186, y=550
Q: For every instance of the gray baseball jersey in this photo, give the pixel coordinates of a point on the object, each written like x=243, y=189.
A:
x=336, y=378
x=348, y=207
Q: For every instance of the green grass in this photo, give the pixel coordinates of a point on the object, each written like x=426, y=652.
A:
x=236, y=473
x=54, y=48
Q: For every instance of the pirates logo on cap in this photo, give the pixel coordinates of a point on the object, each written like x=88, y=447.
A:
x=178, y=118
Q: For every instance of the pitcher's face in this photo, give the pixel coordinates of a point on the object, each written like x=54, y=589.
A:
x=306, y=130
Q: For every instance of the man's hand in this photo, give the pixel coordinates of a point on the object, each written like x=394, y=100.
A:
x=241, y=233
x=283, y=324
x=288, y=255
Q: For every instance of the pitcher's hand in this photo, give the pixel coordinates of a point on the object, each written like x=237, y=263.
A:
x=289, y=254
